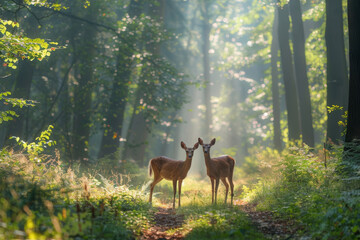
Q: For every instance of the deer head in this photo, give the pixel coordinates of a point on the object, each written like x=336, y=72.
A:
x=206, y=147
x=189, y=151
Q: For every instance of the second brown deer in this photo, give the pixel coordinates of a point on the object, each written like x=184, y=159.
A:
x=218, y=168
x=170, y=169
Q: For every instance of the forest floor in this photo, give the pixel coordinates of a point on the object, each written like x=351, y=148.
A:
x=271, y=227
x=164, y=220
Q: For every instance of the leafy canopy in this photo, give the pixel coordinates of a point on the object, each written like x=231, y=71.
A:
x=14, y=46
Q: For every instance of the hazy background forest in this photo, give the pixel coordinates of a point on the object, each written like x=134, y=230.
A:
x=107, y=85
x=131, y=79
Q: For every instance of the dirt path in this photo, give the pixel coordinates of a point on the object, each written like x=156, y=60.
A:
x=268, y=224
x=265, y=221
x=165, y=219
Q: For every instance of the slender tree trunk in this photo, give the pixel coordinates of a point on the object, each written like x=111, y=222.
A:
x=353, y=126
x=139, y=128
x=136, y=140
x=206, y=64
x=64, y=123
x=337, y=74
x=298, y=39
x=23, y=83
x=22, y=90
x=82, y=111
x=116, y=110
x=291, y=97
x=275, y=84
x=83, y=91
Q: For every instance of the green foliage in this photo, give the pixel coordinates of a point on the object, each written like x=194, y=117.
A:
x=319, y=198
x=43, y=201
x=34, y=149
x=15, y=46
x=9, y=115
x=260, y=161
x=218, y=222
x=344, y=116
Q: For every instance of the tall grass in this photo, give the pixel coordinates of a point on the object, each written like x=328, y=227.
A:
x=319, y=198
x=45, y=200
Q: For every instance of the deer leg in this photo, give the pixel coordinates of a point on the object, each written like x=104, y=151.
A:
x=174, y=187
x=152, y=185
x=231, y=188
x=180, y=182
x=226, y=186
x=212, y=190
x=216, y=188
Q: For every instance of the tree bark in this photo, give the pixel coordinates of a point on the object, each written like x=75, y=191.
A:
x=337, y=74
x=298, y=40
x=275, y=84
x=136, y=140
x=21, y=90
x=206, y=65
x=83, y=90
x=116, y=109
x=353, y=126
x=287, y=67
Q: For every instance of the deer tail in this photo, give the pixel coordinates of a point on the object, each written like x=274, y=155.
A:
x=232, y=165
x=150, y=168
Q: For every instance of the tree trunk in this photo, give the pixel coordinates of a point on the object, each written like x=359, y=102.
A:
x=301, y=74
x=83, y=90
x=206, y=64
x=136, y=140
x=64, y=122
x=275, y=84
x=337, y=75
x=291, y=97
x=353, y=126
x=116, y=109
x=21, y=90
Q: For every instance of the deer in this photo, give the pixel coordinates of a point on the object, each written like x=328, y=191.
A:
x=170, y=169
x=218, y=168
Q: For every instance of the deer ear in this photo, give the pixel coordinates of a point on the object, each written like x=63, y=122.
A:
x=213, y=142
x=183, y=145
x=200, y=141
x=196, y=145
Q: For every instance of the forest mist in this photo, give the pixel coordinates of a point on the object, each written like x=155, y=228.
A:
x=130, y=80
x=97, y=99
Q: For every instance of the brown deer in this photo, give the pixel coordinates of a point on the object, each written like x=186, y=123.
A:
x=170, y=169
x=218, y=168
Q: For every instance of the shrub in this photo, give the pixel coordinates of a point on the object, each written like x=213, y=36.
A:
x=320, y=198
x=40, y=200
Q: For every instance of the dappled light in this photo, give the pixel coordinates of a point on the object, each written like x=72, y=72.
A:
x=179, y=119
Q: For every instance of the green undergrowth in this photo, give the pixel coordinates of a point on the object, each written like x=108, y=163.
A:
x=323, y=200
x=217, y=222
x=204, y=220
x=43, y=198
x=46, y=200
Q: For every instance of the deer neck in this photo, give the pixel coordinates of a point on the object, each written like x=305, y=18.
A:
x=207, y=159
x=187, y=163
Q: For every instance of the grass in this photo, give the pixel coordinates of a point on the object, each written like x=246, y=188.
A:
x=218, y=222
x=202, y=219
x=300, y=187
x=48, y=200
x=45, y=199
